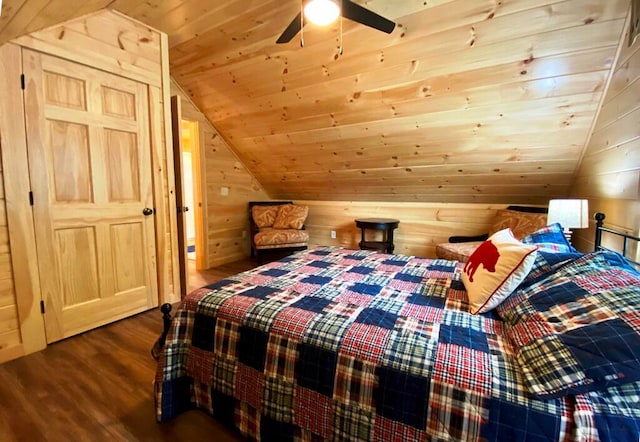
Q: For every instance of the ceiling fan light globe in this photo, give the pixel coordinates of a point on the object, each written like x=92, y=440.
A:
x=321, y=12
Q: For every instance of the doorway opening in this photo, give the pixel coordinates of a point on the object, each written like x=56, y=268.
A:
x=192, y=194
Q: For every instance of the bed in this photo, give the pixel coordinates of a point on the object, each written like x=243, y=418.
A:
x=353, y=345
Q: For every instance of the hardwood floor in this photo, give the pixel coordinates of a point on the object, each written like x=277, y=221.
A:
x=198, y=278
x=97, y=386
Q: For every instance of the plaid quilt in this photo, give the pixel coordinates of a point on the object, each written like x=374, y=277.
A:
x=344, y=345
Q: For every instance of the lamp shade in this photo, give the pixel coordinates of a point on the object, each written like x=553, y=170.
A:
x=322, y=12
x=569, y=213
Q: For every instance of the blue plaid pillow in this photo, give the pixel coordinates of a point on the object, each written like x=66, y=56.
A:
x=545, y=263
x=550, y=239
x=578, y=330
x=553, y=251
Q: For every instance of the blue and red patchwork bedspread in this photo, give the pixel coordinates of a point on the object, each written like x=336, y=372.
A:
x=346, y=345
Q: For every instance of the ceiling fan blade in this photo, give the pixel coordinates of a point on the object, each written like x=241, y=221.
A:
x=357, y=13
x=291, y=31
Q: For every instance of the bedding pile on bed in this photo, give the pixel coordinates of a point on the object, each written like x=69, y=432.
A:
x=337, y=344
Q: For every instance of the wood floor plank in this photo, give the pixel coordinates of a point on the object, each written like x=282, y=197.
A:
x=97, y=386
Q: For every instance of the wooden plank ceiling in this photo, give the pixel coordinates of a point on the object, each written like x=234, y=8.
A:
x=466, y=101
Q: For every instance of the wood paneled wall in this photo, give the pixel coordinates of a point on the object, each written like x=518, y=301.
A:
x=609, y=174
x=226, y=224
x=10, y=337
x=105, y=40
x=9, y=326
x=422, y=225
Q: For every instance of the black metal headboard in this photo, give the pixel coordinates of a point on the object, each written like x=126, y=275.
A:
x=599, y=217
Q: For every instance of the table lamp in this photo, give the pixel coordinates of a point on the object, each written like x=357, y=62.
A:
x=570, y=213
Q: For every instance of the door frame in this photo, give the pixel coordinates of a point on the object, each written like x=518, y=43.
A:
x=17, y=184
x=20, y=224
x=176, y=130
x=198, y=186
x=63, y=320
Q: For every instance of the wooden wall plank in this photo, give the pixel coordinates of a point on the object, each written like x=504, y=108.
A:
x=609, y=174
x=618, y=158
x=10, y=339
x=624, y=74
x=432, y=85
x=616, y=133
x=422, y=225
x=86, y=43
x=620, y=105
x=8, y=319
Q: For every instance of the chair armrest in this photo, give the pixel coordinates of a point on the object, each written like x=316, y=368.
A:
x=456, y=239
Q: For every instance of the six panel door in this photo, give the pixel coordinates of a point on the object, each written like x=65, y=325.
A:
x=90, y=168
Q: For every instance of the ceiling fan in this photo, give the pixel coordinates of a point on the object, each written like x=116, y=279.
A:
x=323, y=12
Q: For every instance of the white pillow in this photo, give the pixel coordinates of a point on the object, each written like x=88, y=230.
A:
x=495, y=269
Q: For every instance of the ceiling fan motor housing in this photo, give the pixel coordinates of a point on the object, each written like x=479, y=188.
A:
x=348, y=10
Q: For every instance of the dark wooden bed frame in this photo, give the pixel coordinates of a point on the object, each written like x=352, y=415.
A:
x=600, y=229
x=599, y=217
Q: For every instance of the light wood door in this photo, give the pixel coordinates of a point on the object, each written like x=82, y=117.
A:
x=90, y=167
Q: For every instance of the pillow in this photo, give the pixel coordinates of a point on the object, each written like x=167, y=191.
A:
x=550, y=239
x=291, y=216
x=553, y=251
x=264, y=216
x=543, y=270
x=520, y=223
x=578, y=330
x=545, y=263
x=495, y=269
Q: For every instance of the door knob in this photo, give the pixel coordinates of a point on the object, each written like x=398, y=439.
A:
x=147, y=211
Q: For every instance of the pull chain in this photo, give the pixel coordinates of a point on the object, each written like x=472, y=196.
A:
x=340, y=51
x=302, y=23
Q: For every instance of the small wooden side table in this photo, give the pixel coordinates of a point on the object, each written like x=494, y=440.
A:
x=386, y=225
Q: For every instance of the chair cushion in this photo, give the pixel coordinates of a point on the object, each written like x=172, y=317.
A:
x=271, y=238
x=457, y=251
x=291, y=216
x=520, y=223
x=264, y=216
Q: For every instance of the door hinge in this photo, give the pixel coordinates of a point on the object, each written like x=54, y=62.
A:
x=31, y=198
x=22, y=81
x=42, y=307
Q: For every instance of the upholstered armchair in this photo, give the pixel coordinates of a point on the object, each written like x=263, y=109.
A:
x=277, y=228
x=522, y=220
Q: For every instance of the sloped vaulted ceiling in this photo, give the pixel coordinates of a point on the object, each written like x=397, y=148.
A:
x=466, y=101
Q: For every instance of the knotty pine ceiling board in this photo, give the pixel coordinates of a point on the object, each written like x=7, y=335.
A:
x=466, y=101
